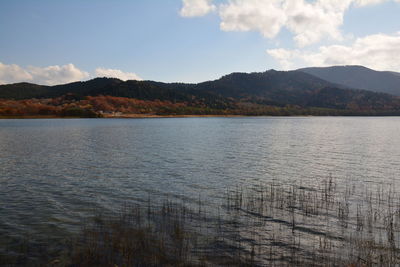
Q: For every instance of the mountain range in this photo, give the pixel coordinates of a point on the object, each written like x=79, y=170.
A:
x=343, y=90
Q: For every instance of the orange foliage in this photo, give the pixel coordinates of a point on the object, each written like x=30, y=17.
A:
x=129, y=105
x=98, y=104
x=26, y=107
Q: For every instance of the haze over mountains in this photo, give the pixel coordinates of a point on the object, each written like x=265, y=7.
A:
x=321, y=88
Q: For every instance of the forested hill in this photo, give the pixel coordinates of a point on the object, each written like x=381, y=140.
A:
x=270, y=87
x=236, y=93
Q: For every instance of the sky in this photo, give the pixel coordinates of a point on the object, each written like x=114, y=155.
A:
x=53, y=42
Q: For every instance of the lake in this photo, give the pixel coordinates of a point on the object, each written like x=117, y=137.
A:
x=55, y=172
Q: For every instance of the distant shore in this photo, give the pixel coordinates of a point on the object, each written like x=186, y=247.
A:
x=147, y=116
x=139, y=116
x=125, y=116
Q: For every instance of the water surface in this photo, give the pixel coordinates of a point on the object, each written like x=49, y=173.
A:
x=55, y=172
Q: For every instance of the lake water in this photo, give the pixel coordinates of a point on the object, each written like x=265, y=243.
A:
x=54, y=173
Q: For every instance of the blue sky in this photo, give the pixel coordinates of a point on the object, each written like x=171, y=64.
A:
x=50, y=42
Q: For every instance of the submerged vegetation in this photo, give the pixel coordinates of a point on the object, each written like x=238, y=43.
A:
x=272, y=224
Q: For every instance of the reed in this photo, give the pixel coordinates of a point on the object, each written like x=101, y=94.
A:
x=324, y=225
x=328, y=224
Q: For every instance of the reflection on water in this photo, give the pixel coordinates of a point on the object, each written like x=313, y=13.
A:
x=55, y=172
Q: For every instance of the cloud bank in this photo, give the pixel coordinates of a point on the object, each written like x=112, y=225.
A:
x=13, y=73
x=113, y=73
x=378, y=51
x=56, y=74
x=48, y=75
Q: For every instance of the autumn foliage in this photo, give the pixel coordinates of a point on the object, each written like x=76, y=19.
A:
x=70, y=105
x=93, y=106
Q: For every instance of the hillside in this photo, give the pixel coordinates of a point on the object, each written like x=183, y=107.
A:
x=359, y=77
x=264, y=93
x=270, y=87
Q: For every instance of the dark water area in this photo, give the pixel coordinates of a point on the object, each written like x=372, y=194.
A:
x=55, y=173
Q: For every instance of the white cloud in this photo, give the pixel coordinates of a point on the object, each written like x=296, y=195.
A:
x=285, y=57
x=113, y=73
x=267, y=17
x=196, y=8
x=53, y=75
x=369, y=2
x=57, y=74
x=379, y=51
x=13, y=73
x=309, y=21
x=48, y=75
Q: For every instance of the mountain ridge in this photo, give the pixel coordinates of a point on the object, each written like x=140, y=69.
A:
x=359, y=77
x=249, y=93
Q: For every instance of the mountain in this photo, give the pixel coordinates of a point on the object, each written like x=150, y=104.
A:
x=144, y=90
x=271, y=87
x=23, y=91
x=359, y=77
x=259, y=93
x=277, y=87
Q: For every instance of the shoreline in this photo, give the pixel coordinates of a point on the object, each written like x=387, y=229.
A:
x=153, y=116
x=144, y=116
x=126, y=116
